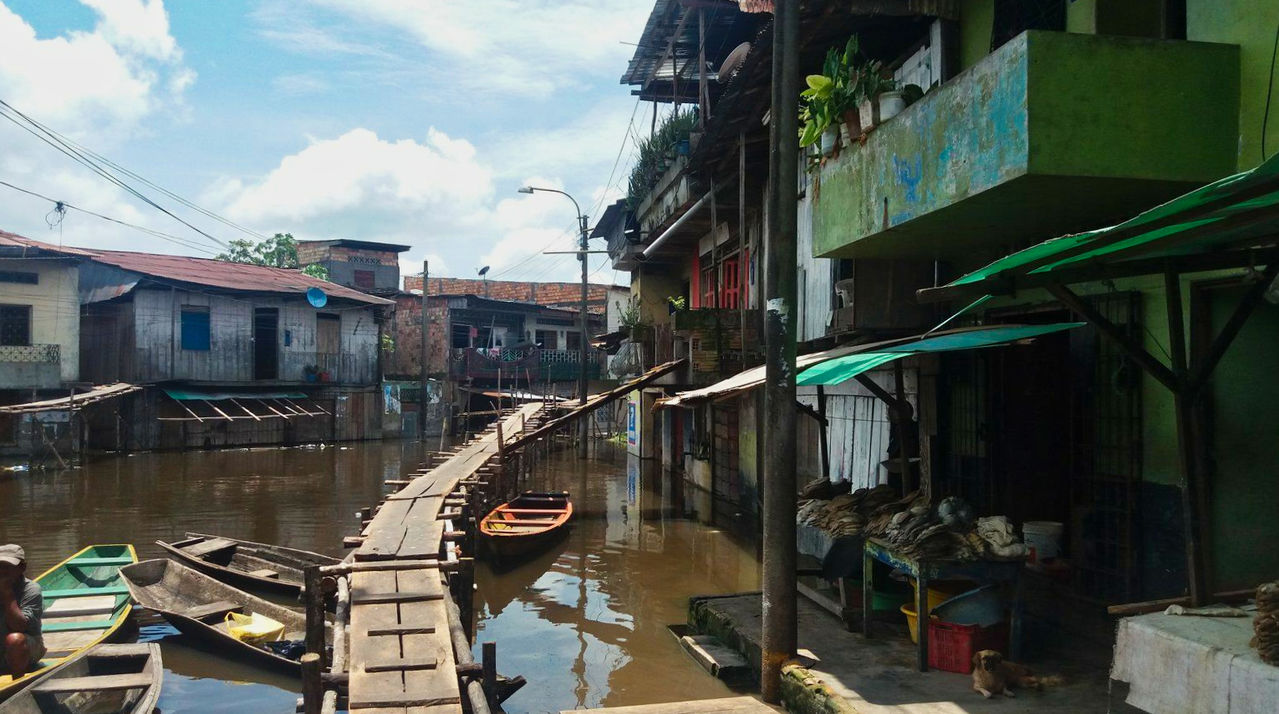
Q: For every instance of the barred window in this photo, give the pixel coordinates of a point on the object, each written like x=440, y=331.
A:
x=15, y=324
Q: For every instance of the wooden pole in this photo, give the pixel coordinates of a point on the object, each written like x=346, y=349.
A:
x=780, y=624
x=312, y=683
x=462, y=654
x=488, y=656
x=1187, y=444
x=422, y=396
x=822, y=424
x=902, y=423
x=314, y=594
x=341, y=618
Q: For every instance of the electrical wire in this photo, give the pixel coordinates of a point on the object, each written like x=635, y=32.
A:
x=1270, y=88
x=34, y=129
x=150, y=231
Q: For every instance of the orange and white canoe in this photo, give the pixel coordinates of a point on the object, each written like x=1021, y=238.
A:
x=528, y=522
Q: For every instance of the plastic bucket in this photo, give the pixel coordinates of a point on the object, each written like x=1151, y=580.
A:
x=1043, y=538
x=912, y=622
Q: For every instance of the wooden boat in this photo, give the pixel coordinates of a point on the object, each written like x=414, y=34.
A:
x=257, y=567
x=529, y=522
x=85, y=602
x=198, y=605
x=103, y=679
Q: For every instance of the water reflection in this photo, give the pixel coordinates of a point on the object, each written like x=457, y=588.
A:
x=586, y=622
x=304, y=497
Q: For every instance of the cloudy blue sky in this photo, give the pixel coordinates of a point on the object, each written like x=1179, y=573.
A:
x=409, y=121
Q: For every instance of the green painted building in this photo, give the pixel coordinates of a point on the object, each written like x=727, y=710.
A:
x=1074, y=117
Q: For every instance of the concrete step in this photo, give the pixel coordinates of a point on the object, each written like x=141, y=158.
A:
x=720, y=660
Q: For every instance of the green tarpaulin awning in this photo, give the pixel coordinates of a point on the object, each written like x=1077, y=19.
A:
x=1226, y=223
x=842, y=369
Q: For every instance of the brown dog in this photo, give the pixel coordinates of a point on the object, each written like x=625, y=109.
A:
x=993, y=675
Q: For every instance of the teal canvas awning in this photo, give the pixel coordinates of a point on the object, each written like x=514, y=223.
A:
x=842, y=369
x=189, y=396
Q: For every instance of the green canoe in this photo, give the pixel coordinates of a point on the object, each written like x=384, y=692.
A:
x=85, y=602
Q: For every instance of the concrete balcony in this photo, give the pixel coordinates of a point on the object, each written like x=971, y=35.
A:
x=1052, y=133
x=30, y=366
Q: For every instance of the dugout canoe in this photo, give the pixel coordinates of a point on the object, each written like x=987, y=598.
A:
x=197, y=605
x=102, y=679
x=257, y=567
x=527, y=523
x=85, y=602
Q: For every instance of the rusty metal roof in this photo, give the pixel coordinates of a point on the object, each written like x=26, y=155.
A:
x=13, y=240
x=226, y=275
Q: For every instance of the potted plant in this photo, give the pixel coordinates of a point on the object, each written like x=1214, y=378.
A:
x=828, y=99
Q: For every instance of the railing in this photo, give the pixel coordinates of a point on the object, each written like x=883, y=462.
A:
x=521, y=363
x=31, y=354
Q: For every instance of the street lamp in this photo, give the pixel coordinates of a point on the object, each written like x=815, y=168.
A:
x=583, y=430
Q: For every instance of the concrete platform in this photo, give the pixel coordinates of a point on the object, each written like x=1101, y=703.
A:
x=878, y=675
x=727, y=705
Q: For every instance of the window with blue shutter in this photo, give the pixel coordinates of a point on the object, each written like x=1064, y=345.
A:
x=195, y=328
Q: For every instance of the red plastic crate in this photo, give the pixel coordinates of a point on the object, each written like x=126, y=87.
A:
x=951, y=647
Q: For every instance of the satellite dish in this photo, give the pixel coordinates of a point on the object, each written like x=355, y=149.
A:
x=484, y=271
x=316, y=297
x=732, y=62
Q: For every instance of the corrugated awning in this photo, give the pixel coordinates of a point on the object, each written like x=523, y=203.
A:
x=1229, y=223
x=73, y=402
x=842, y=369
x=202, y=406
x=865, y=357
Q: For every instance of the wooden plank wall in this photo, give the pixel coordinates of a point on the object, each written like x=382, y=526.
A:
x=858, y=429
x=157, y=324
x=816, y=275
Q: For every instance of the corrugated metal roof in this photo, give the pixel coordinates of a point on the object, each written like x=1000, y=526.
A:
x=13, y=240
x=226, y=275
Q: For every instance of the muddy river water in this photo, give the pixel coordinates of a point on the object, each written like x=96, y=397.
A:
x=585, y=622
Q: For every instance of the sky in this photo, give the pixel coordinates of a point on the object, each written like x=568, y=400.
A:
x=405, y=121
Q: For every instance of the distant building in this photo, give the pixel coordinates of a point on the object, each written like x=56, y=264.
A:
x=39, y=316
x=366, y=266
x=235, y=353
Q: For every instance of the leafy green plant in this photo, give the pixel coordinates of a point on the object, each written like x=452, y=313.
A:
x=656, y=152
x=830, y=93
x=677, y=302
x=629, y=315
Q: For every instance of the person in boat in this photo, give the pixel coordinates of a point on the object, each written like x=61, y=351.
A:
x=21, y=607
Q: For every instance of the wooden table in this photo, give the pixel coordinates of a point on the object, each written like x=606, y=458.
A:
x=982, y=571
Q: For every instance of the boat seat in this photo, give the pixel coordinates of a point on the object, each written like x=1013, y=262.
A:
x=213, y=611
x=99, y=683
x=47, y=627
x=79, y=606
x=203, y=548
x=93, y=562
x=264, y=573
x=87, y=592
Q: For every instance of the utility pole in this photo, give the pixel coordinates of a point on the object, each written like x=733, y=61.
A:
x=779, y=606
x=583, y=425
x=422, y=400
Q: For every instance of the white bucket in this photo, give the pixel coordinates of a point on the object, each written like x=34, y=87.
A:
x=1043, y=538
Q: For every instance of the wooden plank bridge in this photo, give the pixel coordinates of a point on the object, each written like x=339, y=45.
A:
x=401, y=652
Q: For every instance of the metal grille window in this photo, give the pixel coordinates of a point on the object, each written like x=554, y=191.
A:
x=195, y=328
x=548, y=339
x=574, y=341
x=1013, y=17
x=15, y=324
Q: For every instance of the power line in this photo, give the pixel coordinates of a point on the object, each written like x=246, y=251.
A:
x=158, y=234
x=50, y=138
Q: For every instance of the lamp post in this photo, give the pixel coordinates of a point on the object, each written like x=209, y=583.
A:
x=583, y=430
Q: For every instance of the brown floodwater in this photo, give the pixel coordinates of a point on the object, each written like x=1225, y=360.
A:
x=585, y=622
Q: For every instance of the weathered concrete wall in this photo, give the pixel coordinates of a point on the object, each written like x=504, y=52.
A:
x=55, y=320
x=1251, y=26
x=1052, y=132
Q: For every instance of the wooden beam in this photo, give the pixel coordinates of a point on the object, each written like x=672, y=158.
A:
x=219, y=411
x=1136, y=352
x=1196, y=571
x=1251, y=299
x=246, y=410
x=268, y=406
x=883, y=394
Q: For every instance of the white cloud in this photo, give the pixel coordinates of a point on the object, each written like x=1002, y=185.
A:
x=299, y=84
x=498, y=46
x=100, y=83
x=101, y=87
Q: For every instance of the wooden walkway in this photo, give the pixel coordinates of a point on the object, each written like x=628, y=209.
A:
x=401, y=654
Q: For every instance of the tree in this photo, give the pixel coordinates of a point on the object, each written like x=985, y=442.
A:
x=278, y=251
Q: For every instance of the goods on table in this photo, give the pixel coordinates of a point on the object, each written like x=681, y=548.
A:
x=912, y=526
x=1266, y=627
